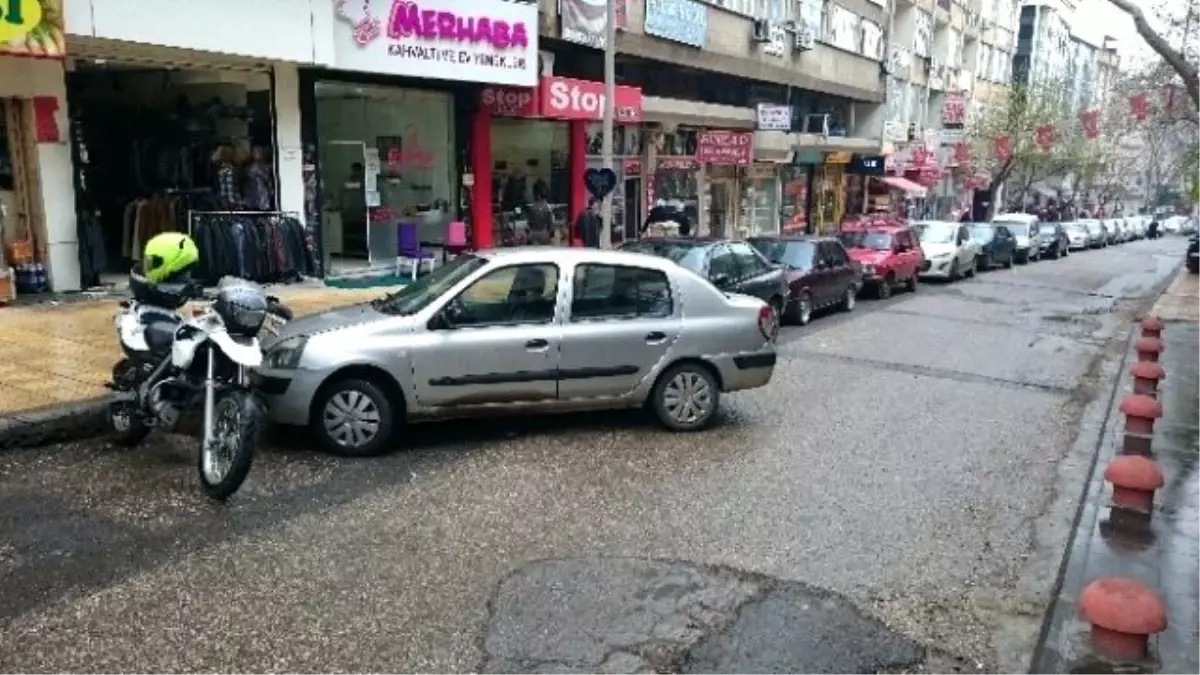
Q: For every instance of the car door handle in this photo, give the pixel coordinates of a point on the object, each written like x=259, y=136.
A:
x=537, y=345
x=655, y=337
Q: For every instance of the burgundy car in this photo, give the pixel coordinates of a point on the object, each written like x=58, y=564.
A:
x=820, y=273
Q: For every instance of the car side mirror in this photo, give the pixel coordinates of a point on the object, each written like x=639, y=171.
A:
x=722, y=280
x=451, y=315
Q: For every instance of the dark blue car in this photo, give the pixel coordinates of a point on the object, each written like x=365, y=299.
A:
x=997, y=245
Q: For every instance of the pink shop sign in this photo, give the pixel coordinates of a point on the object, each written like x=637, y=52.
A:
x=489, y=41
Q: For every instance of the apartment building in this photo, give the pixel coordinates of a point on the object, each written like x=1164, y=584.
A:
x=946, y=59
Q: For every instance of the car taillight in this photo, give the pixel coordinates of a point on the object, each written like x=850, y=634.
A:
x=768, y=323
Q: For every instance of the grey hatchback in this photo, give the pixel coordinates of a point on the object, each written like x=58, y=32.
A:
x=537, y=329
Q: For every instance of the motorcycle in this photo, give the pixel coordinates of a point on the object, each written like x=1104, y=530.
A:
x=174, y=362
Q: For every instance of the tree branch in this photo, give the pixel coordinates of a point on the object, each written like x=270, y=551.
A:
x=1177, y=61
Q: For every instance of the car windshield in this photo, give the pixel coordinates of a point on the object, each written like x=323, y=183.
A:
x=936, y=233
x=684, y=253
x=796, y=254
x=875, y=240
x=420, y=293
x=982, y=232
x=1019, y=229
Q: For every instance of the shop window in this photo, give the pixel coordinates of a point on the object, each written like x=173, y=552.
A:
x=387, y=161
x=520, y=294
x=529, y=161
x=611, y=292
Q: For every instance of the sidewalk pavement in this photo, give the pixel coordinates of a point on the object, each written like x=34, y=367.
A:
x=55, y=359
x=1168, y=560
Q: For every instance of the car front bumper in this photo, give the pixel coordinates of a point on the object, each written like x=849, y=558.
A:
x=937, y=268
x=289, y=393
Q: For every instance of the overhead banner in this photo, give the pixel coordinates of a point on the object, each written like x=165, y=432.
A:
x=32, y=28
x=582, y=21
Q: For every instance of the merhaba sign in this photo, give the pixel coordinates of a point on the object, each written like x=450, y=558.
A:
x=32, y=28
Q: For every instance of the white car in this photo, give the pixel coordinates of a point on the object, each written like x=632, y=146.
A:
x=950, y=250
x=1078, y=236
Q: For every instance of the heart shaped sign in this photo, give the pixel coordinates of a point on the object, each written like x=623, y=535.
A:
x=600, y=182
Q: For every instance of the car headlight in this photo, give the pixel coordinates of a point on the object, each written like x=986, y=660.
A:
x=285, y=355
x=943, y=256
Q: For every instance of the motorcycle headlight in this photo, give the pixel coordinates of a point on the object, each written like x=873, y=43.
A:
x=285, y=355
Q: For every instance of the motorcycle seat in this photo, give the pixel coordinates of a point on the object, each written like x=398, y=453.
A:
x=160, y=335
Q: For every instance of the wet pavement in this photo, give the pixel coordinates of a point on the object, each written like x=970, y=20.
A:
x=898, y=499
x=1164, y=555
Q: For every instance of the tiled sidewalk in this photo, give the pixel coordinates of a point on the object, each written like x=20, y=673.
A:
x=60, y=354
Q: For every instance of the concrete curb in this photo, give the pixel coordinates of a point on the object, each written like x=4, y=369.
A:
x=70, y=422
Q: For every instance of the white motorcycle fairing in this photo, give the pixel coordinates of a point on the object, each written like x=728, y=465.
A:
x=249, y=354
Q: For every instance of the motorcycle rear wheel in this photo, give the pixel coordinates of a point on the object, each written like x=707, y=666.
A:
x=224, y=464
x=125, y=417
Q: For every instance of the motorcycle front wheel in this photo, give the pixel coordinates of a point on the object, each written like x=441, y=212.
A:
x=225, y=462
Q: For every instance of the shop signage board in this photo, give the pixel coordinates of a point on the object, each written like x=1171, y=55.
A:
x=838, y=157
x=683, y=21
x=582, y=21
x=954, y=111
x=773, y=117
x=725, y=147
x=563, y=98
x=488, y=41
x=32, y=28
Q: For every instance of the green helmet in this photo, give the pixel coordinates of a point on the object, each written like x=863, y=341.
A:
x=167, y=255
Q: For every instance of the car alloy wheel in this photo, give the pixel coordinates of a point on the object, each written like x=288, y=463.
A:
x=351, y=418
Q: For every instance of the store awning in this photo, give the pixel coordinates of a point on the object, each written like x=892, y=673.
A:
x=905, y=185
x=673, y=111
x=865, y=146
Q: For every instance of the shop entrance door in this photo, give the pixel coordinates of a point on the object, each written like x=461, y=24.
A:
x=721, y=208
x=346, y=216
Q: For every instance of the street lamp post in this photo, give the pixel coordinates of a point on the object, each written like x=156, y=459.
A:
x=610, y=90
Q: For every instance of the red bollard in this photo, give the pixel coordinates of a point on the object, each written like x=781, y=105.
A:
x=1148, y=348
x=1152, y=327
x=1140, y=412
x=1146, y=375
x=1134, y=479
x=1124, y=614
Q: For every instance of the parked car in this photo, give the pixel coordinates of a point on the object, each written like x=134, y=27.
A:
x=1078, y=235
x=950, y=251
x=1026, y=228
x=819, y=274
x=1193, y=254
x=997, y=245
x=889, y=256
x=1138, y=225
x=520, y=330
x=1097, y=233
x=1053, y=239
x=1112, y=233
x=732, y=266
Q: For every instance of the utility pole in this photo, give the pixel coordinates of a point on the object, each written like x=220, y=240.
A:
x=610, y=94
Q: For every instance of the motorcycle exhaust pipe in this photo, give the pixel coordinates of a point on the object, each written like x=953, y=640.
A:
x=209, y=400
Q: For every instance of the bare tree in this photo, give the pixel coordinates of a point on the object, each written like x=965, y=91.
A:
x=1177, y=56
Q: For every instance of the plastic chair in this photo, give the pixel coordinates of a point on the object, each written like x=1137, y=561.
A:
x=456, y=239
x=409, y=248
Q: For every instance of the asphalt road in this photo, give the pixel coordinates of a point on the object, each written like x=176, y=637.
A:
x=897, y=500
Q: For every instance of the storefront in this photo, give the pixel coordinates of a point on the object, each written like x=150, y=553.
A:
x=397, y=155
x=829, y=192
x=539, y=144
x=37, y=228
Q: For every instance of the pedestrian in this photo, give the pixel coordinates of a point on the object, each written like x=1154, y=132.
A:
x=589, y=224
x=541, y=216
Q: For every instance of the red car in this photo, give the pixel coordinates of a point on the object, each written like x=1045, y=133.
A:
x=890, y=255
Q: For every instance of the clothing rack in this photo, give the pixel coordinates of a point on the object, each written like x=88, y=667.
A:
x=280, y=214
x=262, y=246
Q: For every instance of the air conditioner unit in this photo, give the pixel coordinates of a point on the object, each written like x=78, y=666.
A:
x=804, y=39
x=762, y=30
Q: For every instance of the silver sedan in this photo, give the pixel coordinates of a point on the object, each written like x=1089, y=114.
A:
x=520, y=330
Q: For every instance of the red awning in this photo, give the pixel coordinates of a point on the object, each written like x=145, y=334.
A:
x=905, y=185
